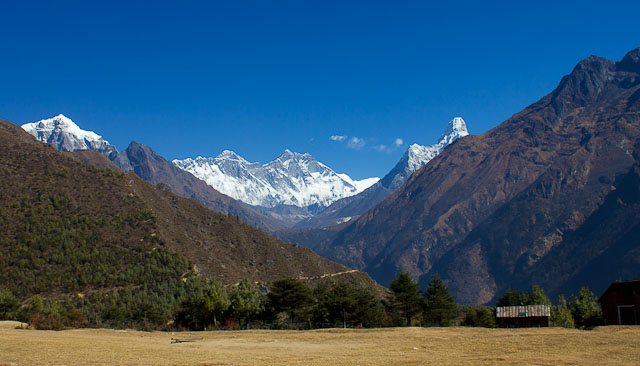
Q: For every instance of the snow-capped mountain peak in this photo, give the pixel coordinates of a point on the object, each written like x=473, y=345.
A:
x=229, y=155
x=64, y=134
x=417, y=156
x=290, y=179
x=455, y=129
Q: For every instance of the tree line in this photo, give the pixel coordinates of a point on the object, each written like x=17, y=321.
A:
x=200, y=304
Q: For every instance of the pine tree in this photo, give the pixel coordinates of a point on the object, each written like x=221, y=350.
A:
x=246, y=301
x=214, y=302
x=406, y=296
x=513, y=298
x=537, y=296
x=440, y=308
x=292, y=297
x=342, y=303
x=8, y=305
x=480, y=316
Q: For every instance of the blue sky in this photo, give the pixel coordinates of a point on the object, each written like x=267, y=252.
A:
x=195, y=78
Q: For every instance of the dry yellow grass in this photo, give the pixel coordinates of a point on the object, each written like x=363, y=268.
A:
x=393, y=346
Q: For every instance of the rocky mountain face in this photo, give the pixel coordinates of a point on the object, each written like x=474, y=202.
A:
x=52, y=200
x=416, y=156
x=65, y=135
x=292, y=179
x=547, y=196
x=153, y=168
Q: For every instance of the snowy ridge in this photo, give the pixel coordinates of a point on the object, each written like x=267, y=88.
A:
x=65, y=135
x=291, y=179
x=418, y=156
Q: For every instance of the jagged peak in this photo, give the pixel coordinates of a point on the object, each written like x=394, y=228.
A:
x=61, y=123
x=53, y=122
x=592, y=63
x=62, y=119
x=229, y=155
x=457, y=124
x=288, y=154
x=456, y=128
x=630, y=62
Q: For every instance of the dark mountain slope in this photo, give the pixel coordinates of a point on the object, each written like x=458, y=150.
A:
x=153, y=168
x=607, y=243
x=67, y=227
x=491, y=206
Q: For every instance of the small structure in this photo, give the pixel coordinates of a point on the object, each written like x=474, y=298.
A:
x=526, y=316
x=621, y=303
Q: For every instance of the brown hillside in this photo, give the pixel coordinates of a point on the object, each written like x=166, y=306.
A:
x=495, y=206
x=121, y=213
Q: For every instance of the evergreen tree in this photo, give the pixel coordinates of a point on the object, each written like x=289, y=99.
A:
x=292, y=297
x=246, y=301
x=341, y=304
x=214, y=302
x=561, y=314
x=513, y=298
x=8, y=305
x=321, y=316
x=406, y=297
x=440, y=308
x=585, y=309
x=480, y=316
x=369, y=311
x=537, y=296
x=346, y=305
x=519, y=298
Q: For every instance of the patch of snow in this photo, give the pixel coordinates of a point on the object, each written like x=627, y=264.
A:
x=418, y=156
x=65, y=135
x=290, y=179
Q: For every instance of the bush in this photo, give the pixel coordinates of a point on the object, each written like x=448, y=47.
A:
x=480, y=317
x=8, y=305
x=561, y=314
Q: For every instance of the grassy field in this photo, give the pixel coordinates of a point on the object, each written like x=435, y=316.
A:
x=392, y=346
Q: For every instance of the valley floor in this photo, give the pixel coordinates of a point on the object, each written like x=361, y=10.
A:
x=391, y=346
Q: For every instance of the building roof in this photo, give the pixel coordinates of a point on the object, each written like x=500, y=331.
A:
x=523, y=311
x=631, y=283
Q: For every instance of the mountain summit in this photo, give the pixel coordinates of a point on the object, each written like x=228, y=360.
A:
x=414, y=158
x=292, y=179
x=65, y=135
x=549, y=196
x=418, y=156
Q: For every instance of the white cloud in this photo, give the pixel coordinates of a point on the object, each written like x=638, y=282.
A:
x=356, y=143
x=381, y=147
x=338, y=138
x=399, y=142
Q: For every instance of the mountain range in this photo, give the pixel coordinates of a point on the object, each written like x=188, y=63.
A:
x=65, y=135
x=547, y=196
x=416, y=156
x=292, y=190
x=63, y=217
x=292, y=180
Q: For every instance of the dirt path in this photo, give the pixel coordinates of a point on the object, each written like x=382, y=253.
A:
x=392, y=346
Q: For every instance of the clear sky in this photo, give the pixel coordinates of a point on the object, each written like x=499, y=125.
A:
x=194, y=78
